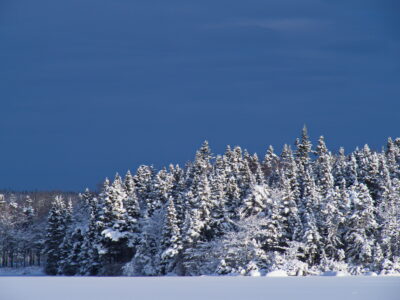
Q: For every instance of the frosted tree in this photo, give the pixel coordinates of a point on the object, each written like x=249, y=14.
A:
x=201, y=202
x=351, y=171
x=178, y=192
x=197, y=226
x=201, y=165
x=132, y=214
x=89, y=255
x=339, y=167
x=359, y=237
x=147, y=259
x=303, y=151
x=368, y=169
x=333, y=220
x=233, y=197
x=144, y=186
x=270, y=166
x=392, y=153
x=115, y=233
x=256, y=201
x=323, y=168
x=220, y=220
x=311, y=218
x=311, y=239
x=389, y=214
x=55, y=233
x=66, y=245
x=163, y=184
x=241, y=251
x=246, y=178
x=290, y=171
x=170, y=245
x=290, y=220
x=73, y=260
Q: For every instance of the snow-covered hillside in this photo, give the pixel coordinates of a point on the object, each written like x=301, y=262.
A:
x=174, y=288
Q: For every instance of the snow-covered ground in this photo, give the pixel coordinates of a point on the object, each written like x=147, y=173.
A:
x=174, y=288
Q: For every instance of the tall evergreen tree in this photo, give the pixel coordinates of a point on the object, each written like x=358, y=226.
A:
x=323, y=168
x=360, y=236
x=171, y=240
x=55, y=232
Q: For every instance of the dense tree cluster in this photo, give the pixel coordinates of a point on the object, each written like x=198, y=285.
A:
x=304, y=211
x=22, y=226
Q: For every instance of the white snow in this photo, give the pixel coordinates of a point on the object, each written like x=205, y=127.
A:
x=336, y=274
x=175, y=288
x=113, y=234
x=277, y=273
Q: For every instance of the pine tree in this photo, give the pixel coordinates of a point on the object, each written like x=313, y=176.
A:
x=55, y=232
x=389, y=215
x=233, y=197
x=351, y=171
x=270, y=165
x=133, y=214
x=339, y=167
x=303, y=150
x=73, y=262
x=359, y=237
x=333, y=221
x=89, y=257
x=392, y=152
x=323, y=168
x=290, y=171
x=290, y=220
x=114, y=236
x=66, y=245
x=178, y=192
x=144, y=186
x=256, y=202
x=220, y=221
x=246, y=179
x=170, y=245
x=146, y=261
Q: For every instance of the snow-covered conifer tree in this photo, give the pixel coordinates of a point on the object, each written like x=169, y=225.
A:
x=170, y=245
x=115, y=234
x=270, y=166
x=323, y=168
x=359, y=237
x=55, y=233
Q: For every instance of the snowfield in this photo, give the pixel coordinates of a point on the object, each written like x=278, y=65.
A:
x=232, y=288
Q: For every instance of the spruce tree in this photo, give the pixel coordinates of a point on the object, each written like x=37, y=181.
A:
x=290, y=219
x=359, y=237
x=256, y=202
x=73, y=259
x=323, y=168
x=114, y=236
x=170, y=245
x=55, y=233
x=290, y=171
x=269, y=166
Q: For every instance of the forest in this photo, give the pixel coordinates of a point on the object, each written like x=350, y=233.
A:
x=304, y=211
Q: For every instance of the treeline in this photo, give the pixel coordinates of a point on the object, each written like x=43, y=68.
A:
x=304, y=211
x=23, y=219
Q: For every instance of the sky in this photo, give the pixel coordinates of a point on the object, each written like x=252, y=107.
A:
x=93, y=87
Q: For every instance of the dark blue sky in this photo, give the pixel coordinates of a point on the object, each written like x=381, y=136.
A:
x=91, y=87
